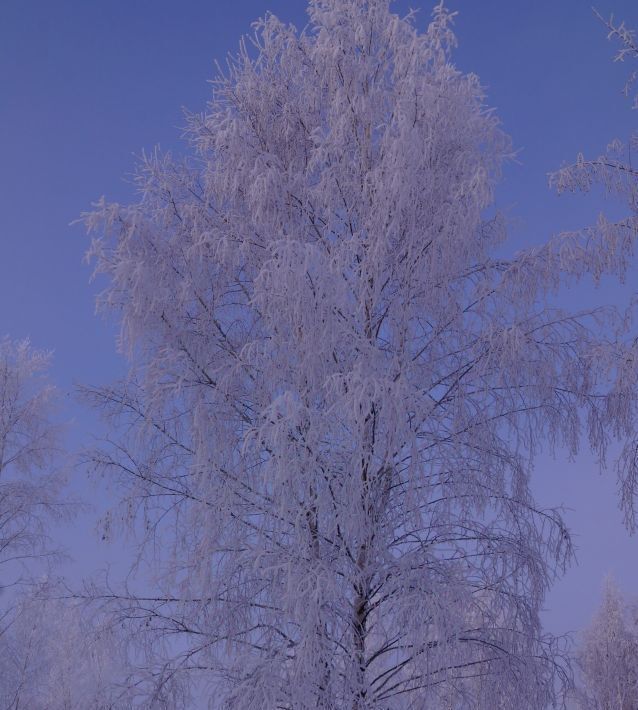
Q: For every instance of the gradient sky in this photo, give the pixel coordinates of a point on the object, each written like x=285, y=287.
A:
x=86, y=85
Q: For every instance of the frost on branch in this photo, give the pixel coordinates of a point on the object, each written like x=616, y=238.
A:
x=628, y=50
x=337, y=391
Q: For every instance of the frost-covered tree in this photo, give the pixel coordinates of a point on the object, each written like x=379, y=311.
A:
x=337, y=389
x=29, y=479
x=614, y=171
x=55, y=656
x=29, y=493
x=609, y=656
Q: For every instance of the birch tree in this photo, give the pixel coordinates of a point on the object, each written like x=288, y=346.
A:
x=337, y=388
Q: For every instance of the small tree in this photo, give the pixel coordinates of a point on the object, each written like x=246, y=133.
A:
x=29, y=481
x=56, y=656
x=30, y=500
x=337, y=391
x=609, y=656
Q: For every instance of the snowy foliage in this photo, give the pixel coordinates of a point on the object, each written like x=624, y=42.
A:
x=337, y=390
x=609, y=656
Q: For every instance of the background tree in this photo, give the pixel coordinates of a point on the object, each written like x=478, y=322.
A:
x=337, y=391
x=614, y=171
x=30, y=478
x=57, y=656
x=30, y=500
x=609, y=656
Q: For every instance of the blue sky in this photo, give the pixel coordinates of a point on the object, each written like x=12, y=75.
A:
x=87, y=85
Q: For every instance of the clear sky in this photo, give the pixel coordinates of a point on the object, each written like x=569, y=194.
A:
x=86, y=85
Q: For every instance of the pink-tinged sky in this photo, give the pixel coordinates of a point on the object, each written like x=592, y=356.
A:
x=85, y=85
